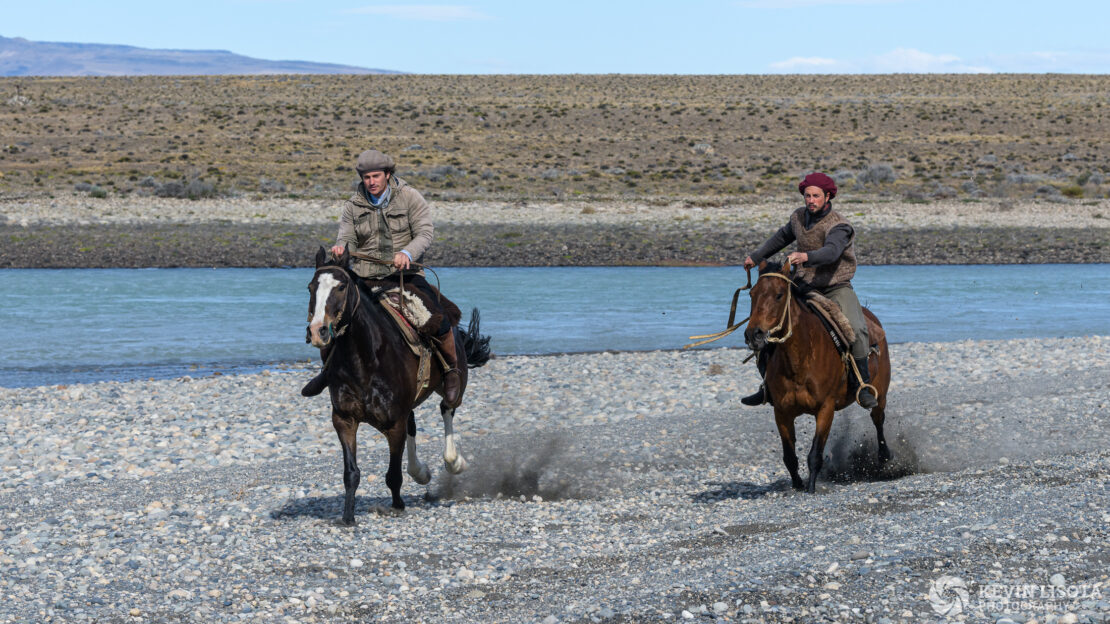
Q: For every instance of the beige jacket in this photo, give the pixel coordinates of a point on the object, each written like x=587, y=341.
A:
x=405, y=223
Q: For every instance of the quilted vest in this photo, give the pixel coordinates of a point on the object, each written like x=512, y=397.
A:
x=834, y=274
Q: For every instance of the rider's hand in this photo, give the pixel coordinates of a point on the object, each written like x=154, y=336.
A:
x=401, y=261
x=748, y=263
x=337, y=250
x=798, y=258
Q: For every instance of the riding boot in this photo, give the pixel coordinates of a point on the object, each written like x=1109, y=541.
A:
x=451, y=377
x=866, y=397
x=763, y=395
x=317, y=384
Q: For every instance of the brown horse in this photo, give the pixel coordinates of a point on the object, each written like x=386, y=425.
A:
x=372, y=376
x=805, y=373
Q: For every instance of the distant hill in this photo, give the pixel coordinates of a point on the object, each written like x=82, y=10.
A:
x=20, y=57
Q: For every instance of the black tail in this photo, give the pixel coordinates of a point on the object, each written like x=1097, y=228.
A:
x=475, y=344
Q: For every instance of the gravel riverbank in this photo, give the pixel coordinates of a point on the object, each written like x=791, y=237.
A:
x=134, y=232
x=603, y=487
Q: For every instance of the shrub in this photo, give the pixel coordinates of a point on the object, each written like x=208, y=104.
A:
x=270, y=186
x=197, y=189
x=98, y=192
x=1074, y=191
x=877, y=174
x=170, y=189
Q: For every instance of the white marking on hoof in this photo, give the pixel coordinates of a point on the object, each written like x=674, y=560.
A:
x=457, y=466
x=452, y=459
x=417, y=469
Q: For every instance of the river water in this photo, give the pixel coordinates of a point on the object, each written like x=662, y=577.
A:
x=80, y=325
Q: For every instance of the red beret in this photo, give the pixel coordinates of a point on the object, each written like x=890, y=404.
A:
x=821, y=181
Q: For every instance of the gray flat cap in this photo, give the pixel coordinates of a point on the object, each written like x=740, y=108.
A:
x=373, y=160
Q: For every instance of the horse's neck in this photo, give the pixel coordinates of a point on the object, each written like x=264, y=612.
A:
x=806, y=333
x=360, y=339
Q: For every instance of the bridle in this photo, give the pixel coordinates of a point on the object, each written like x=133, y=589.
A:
x=339, y=316
x=786, y=318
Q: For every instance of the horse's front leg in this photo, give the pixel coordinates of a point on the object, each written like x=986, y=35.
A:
x=878, y=417
x=417, y=469
x=816, y=457
x=785, y=424
x=347, y=429
x=394, y=477
x=452, y=458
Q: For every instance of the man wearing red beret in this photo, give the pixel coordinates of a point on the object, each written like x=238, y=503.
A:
x=826, y=261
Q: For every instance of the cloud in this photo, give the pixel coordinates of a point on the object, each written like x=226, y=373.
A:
x=803, y=63
x=423, y=12
x=911, y=61
x=897, y=61
x=1081, y=62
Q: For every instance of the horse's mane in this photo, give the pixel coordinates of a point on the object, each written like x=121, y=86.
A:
x=799, y=288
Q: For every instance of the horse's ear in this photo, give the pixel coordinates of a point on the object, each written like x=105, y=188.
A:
x=345, y=256
x=321, y=257
x=762, y=266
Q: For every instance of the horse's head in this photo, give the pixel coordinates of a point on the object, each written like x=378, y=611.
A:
x=327, y=297
x=769, y=304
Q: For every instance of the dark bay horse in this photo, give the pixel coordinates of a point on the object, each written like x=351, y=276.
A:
x=372, y=376
x=805, y=373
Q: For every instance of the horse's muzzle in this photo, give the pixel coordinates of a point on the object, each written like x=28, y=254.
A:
x=755, y=338
x=317, y=337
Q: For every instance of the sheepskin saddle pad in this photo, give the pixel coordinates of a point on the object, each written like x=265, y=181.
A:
x=416, y=310
x=832, y=313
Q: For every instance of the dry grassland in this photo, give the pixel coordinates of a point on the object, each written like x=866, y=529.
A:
x=719, y=138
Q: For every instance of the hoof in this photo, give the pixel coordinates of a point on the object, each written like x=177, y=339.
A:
x=457, y=466
x=349, y=523
x=422, y=476
x=884, y=454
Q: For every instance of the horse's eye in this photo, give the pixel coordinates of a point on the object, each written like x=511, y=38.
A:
x=778, y=296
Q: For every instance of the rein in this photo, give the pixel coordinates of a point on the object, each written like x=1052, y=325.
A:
x=400, y=274
x=730, y=326
x=786, y=318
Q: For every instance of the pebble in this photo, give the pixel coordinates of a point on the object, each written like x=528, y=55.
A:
x=216, y=498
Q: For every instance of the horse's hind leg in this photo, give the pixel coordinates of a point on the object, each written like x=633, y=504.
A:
x=417, y=469
x=878, y=417
x=789, y=455
x=347, y=429
x=394, y=477
x=816, y=457
x=452, y=458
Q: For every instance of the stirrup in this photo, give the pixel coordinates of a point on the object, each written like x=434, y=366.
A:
x=758, y=398
x=874, y=395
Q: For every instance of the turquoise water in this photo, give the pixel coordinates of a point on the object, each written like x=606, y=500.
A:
x=76, y=325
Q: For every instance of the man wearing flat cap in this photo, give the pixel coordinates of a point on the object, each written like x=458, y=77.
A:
x=826, y=260
x=388, y=220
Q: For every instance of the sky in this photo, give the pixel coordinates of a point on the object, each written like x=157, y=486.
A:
x=599, y=36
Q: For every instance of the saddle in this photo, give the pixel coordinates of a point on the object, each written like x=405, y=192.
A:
x=837, y=325
x=413, y=316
